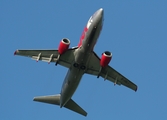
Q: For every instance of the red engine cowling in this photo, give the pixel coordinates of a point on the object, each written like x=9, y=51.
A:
x=64, y=45
x=105, y=59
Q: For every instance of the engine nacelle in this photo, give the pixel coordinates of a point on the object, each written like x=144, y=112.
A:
x=64, y=45
x=105, y=59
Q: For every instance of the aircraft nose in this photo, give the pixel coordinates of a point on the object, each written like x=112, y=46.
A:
x=97, y=18
x=100, y=14
x=101, y=11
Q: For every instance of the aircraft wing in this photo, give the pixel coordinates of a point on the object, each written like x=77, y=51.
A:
x=49, y=56
x=108, y=73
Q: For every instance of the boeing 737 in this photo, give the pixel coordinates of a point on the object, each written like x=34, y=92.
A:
x=79, y=60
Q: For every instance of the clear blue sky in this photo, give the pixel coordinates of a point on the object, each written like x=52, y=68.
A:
x=135, y=31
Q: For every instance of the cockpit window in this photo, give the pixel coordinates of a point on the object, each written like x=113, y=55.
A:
x=93, y=15
x=89, y=22
x=90, y=19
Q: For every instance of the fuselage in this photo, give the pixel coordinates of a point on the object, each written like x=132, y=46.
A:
x=82, y=55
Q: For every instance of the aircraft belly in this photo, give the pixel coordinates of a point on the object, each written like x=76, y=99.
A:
x=77, y=69
x=70, y=84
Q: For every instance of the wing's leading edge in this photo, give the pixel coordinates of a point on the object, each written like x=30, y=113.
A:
x=108, y=73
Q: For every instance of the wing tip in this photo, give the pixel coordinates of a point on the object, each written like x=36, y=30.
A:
x=16, y=52
x=136, y=89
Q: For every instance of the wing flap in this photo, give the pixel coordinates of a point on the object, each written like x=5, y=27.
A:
x=117, y=78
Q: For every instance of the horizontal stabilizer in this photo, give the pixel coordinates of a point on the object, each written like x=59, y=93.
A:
x=51, y=99
x=55, y=99
x=75, y=107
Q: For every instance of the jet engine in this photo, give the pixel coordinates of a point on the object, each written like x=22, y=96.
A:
x=105, y=59
x=64, y=45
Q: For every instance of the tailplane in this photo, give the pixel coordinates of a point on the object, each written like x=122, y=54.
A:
x=55, y=99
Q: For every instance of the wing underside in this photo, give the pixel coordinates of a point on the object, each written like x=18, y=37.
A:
x=49, y=56
x=108, y=73
x=68, y=57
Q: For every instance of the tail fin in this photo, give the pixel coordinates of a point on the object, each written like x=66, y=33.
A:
x=55, y=99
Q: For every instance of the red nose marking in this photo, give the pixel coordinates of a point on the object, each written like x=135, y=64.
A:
x=82, y=36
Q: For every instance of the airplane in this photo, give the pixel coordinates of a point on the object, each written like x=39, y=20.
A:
x=79, y=60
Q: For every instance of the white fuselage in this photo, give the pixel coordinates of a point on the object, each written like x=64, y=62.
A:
x=82, y=55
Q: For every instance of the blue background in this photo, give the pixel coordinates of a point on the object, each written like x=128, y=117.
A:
x=135, y=31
